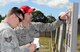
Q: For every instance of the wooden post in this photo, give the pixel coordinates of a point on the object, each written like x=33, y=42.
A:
x=71, y=32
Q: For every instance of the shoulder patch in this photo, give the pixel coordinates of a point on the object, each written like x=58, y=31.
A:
x=8, y=39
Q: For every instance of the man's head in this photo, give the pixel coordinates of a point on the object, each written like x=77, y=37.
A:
x=27, y=12
x=15, y=16
x=17, y=12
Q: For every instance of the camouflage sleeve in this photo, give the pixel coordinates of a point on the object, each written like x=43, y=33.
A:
x=52, y=26
x=9, y=42
x=41, y=27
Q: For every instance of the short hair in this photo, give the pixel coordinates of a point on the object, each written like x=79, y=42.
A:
x=15, y=10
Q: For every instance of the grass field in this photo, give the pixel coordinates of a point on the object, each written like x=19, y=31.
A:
x=78, y=43
x=47, y=45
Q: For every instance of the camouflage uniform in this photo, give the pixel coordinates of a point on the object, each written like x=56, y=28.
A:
x=8, y=40
x=26, y=36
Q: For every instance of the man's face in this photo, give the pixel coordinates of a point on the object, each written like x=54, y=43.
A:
x=16, y=19
x=28, y=17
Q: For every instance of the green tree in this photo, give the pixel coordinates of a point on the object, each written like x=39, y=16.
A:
x=38, y=16
x=50, y=19
x=1, y=18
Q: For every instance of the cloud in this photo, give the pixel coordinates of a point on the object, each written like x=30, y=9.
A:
x=52, y=3
x=42, y=2
x=4, y=2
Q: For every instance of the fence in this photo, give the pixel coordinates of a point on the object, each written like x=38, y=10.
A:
x=66, y=34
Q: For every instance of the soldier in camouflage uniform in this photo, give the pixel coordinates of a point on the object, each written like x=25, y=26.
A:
x=8, y=39
x=27, y=30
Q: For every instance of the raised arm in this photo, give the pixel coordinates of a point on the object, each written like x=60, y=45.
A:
x=52, y=26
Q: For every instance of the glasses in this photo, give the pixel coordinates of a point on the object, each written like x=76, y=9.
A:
x=20, y=20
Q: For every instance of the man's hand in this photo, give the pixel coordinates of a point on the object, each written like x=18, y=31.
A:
x=32, y=47
x=65, y=16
